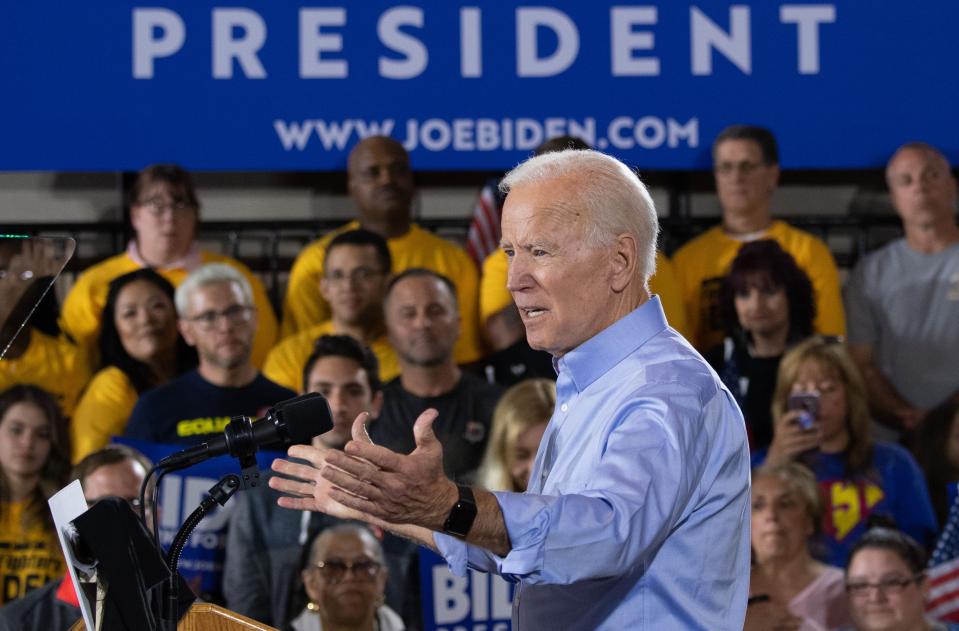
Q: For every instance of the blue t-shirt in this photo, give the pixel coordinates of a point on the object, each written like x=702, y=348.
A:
x=894, y=486
x=190, y=409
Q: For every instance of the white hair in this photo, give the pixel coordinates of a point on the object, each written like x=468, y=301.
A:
x=210, y=274
x=616, y=199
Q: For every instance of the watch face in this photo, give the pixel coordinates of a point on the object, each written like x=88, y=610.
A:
x=462, y=515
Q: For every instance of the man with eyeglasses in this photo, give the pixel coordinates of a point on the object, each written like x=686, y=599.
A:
x=114, y=471
x=356, y=270
x=164, y=213
x=746, y=169
x=381, y=185
x=217, y=317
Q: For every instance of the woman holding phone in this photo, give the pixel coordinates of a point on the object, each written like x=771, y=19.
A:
x=821, y=418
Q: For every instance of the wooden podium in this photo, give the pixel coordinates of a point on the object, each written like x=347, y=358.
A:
x=208, y=617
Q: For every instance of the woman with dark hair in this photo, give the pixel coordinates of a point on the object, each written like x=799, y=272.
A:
x=936, y=447
x=767, y=305
x=821, y=418
x=34, y=463
x=140, y=348
x=886, y=584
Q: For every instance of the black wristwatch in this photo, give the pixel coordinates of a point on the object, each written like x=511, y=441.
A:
x=462, y=515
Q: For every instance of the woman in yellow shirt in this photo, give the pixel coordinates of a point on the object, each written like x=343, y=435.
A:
x=34, y=464
x=140, y=348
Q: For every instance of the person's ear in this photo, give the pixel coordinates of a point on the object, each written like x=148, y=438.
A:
x=325, y=288
x=624, y=262
x=186, y=330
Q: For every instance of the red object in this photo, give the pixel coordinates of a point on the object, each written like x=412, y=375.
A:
x=66, y=593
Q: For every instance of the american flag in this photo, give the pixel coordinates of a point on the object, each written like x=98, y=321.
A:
x=943, y=573
x=484, y=231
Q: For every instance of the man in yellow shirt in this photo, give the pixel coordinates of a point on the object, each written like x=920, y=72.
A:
x=746, y=167
x=164, y=211
x=381, y=184
x=356, y=270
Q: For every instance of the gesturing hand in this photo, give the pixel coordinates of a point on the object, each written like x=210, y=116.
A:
x=395, y=488
x=307, y=489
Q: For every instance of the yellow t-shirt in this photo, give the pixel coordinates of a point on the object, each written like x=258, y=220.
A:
x=284, y=365
x=701, y=264
x=305, y=307
x=51, y=363
x=102, y=412
x=494, y=297
x=83, y=307
x=30, y=555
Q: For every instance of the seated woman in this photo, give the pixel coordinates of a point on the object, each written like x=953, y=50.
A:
x=766, y=305
x=786, y=584
x=519, y=421
x=34, y=464
x=936, y=446
x=343, y=576
x=821, y=418
x=140, y=348
x=886, y=584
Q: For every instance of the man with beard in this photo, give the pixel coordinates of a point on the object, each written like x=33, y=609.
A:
x=423, y=321
x=356, y=269
x=380, y=182
x=217, y=317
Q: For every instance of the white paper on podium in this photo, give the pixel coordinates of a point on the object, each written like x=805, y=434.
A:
x=66, y=505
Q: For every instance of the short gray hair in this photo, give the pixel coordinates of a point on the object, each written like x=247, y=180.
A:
x=610, y=191
x=210, y=274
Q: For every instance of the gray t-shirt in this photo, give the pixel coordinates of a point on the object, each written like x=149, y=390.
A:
x=905, y=305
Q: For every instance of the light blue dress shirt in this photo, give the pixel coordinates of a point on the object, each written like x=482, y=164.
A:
x=637, y=511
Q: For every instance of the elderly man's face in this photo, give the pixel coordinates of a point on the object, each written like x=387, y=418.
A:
x=559, y=283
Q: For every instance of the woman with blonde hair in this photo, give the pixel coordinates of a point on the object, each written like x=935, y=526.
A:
x=821, y=418
x=787, y=587
x=519, y=420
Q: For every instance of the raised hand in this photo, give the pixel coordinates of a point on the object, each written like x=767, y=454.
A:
x=306, y=488
x=392, y=487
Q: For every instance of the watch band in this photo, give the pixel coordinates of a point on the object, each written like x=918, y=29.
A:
x=463, y=513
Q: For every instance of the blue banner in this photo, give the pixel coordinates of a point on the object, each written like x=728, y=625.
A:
x=180, y=493
x=466, y=85
x=476, y=602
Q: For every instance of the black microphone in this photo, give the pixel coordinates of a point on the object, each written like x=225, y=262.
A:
x=295, y=420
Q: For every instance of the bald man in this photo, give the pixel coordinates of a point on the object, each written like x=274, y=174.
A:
x=902, y=301
x=380, y=182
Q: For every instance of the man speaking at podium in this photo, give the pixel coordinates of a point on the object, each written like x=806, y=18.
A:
x=637, y=510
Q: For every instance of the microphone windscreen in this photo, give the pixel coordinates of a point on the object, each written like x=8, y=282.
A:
x=305, y=416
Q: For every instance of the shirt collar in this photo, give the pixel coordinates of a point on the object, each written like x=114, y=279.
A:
x=593, y=358
x=189, y=262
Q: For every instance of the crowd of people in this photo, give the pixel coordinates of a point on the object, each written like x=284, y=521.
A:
x=850, y=395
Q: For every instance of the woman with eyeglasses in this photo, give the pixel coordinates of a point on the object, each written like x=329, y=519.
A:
x=821, y=418
x=140, y=348
x=164, y=212
x=34, y=463
x=788, y=589
x=886, y=584
x=342, y=582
